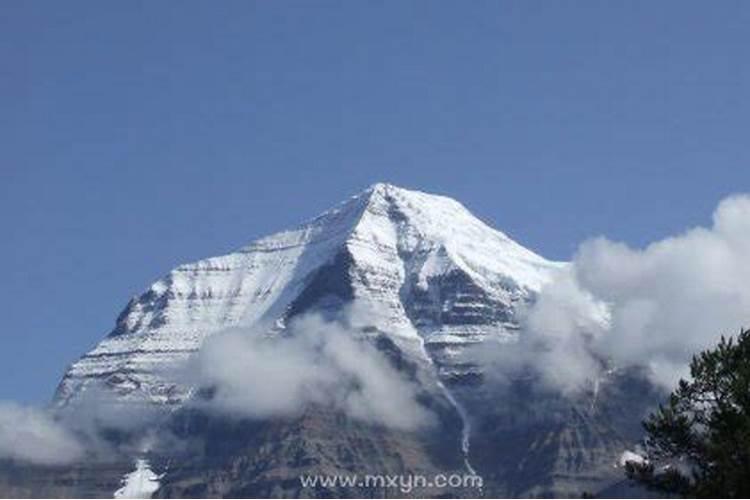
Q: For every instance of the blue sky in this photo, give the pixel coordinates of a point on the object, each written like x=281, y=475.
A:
x=140, y=135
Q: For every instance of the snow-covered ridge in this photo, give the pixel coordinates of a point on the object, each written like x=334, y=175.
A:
x=436, y=272
x=445, y=225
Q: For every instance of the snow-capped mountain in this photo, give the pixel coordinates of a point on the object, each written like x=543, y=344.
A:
x=431, y=270
x=436, y=283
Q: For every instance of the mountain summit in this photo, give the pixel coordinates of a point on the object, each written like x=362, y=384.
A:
x=439, y=286
x=434, y=271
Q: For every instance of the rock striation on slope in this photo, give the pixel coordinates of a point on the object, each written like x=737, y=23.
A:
x=436, y=283
x=432, y=271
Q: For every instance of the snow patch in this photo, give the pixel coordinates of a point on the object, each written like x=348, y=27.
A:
x=631, y=456
x=141, y=483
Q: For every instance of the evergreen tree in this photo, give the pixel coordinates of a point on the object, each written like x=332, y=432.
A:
x=699, y=443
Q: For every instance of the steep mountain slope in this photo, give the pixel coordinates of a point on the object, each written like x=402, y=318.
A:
x=436, y=283
x=424, y=264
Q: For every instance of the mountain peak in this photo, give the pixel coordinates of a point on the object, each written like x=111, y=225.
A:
x=423, y=211
x=433, y=269
x=415, y=221
x=382, y=187
x=392, y=192
x=427, y=211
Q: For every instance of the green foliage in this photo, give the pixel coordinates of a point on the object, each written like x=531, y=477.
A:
x=700, y=441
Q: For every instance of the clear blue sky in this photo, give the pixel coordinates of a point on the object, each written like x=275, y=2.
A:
x=135, y=136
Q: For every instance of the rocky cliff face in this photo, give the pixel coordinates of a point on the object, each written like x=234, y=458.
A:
x=436, y=282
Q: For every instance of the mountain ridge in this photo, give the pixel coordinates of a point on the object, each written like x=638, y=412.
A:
x=266, y=276
x=437, y=283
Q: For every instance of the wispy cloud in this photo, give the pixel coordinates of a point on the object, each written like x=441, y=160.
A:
x=32, y=435
x=314, y=362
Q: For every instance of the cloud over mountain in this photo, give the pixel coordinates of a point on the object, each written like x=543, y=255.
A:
x=32, y=435
x=314, y=362
x=654, y=307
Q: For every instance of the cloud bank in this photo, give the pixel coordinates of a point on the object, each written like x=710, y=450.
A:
x=32, y=435
x=314, y=362
x=654, y=307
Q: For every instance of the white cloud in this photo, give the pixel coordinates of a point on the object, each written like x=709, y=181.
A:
x=32, y=435
x=654, y=307
x=314, y=362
